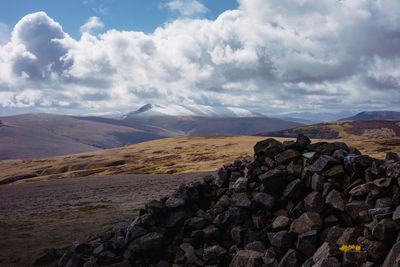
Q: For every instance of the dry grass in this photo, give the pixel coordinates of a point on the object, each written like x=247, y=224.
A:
x=171, y=155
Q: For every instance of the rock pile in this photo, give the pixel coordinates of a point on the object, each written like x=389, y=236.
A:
x=292, y=204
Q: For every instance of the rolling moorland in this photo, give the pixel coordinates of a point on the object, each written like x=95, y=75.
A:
x=356, y=129
x=33, y=210
x=97, y=190
x=47, y=135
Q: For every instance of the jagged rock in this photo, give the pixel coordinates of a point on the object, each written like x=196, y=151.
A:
x=214, y=255
x=322, y=148
x=268, y=148
x=211, y=232
x=322, y=163
x=147, y=242
x=375, y=249
x=195, y=223
x=240, y=200
x=133, y=232
x=330, y=261
x=307, y=243
x=242, y=236
x=291, y=258
x=256, y=246
x=190, y=256
x=286, y=156
x=174, y=202
x=174, y=217
x=294, y=189
x=317, y=182
x=281, y=241
x=335, y=172
x=49, y=255
x=280, y=223
x=306, y=222
x=325, y=251
x=274, y=180
x=265, y=199
x=354, y=258
x=393, y=257
x=247, y=258
x=231, y=217
x=392, y=156
x=302, y=141
x=240, y=185
x=354, y=208
x=314, y=202
x=336, y=200
x=349, y=236
x=396, y=214
x=333, y=234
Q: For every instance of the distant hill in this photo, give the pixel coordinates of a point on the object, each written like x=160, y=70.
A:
x=375, y=115
x=46, y=135
x=377, y=129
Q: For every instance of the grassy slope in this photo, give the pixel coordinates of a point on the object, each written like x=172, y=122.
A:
x=171, y=155
x=352, y=130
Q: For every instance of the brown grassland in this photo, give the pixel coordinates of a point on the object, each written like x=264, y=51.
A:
x=58, y=200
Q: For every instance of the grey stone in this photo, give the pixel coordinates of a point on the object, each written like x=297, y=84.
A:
x=280, y=223
x=314, y=202
x=213, y=254
x=392, y=256
x=240, y=185
x=268, y=148
x=354, y=258
x=325, y=251
x=265, y=199
x=287, y=155
x=322, y=163
x=147, y=242
x=240, y=200
x=336, y=200
x=247, y=258
x=291, y=259
x=306, y=222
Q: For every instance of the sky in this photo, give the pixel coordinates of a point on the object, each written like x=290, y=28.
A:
x=271, y=57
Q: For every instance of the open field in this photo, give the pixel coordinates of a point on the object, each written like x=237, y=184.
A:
x=171, y=155
x=35, y=216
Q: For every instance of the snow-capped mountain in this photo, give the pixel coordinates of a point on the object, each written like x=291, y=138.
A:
x=192, y=110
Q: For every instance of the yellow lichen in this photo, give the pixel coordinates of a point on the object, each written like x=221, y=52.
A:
x=350, y=247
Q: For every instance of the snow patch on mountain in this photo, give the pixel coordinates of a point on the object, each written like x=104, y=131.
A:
x=192, y=110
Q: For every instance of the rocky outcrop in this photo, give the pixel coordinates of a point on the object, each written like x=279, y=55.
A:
x=292, y=204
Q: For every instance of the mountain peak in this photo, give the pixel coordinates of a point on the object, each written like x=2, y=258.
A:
x=191, y=110
x=143, y=108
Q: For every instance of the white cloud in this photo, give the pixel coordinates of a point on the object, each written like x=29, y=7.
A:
x=91, y=24
x=186, y=7
x=267, y=56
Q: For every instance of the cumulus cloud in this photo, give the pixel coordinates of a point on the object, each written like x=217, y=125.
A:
x=270, y=57
x=91, y=24
x=186, y=7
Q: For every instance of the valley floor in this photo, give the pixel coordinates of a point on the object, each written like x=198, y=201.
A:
x=42, y=214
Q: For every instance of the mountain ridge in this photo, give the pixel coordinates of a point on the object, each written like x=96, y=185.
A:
x=375, y=115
